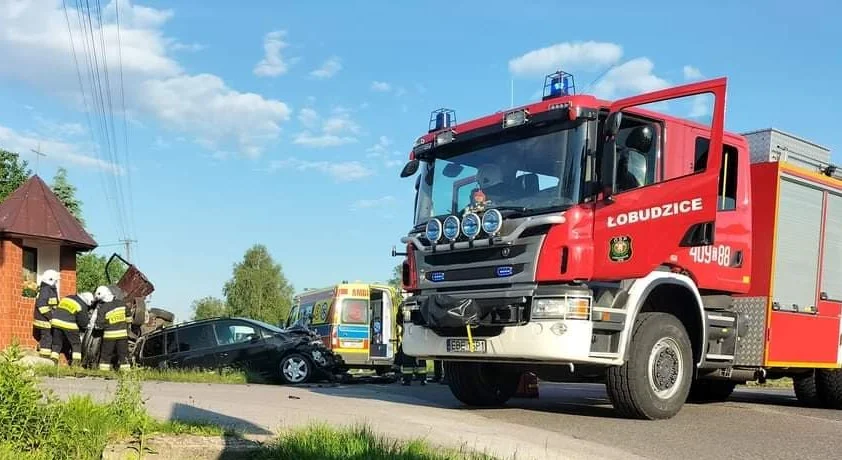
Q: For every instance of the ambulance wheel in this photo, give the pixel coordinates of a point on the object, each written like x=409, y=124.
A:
x=478, y=384
x=829, y=387
x=805, y=389
x=706, y=390
x=655, y=380
x=295, y=368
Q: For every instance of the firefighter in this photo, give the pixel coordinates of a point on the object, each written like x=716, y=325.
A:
x=45, y=302
x=69, y=317
x=408, y=365
x=111, y=318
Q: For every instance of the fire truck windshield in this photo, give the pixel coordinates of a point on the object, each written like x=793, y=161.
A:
x=537, y=173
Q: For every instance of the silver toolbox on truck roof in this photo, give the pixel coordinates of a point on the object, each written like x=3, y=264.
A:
x=771, y=144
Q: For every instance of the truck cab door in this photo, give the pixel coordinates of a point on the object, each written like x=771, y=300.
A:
x=644, y=220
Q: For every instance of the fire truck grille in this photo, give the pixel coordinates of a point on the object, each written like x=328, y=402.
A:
x=476, y=255
x=467, y=274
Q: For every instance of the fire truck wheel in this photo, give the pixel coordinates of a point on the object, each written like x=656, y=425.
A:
x=478, y=384
x=654, y=381
x=829, y=387
x=705, y=390
x=805, y=389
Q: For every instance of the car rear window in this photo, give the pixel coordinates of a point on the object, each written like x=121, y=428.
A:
x=355, y=311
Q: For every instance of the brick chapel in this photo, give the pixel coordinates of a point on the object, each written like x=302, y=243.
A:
x=37, y=233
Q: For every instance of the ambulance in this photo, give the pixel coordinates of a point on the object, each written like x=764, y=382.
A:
x=355, y=320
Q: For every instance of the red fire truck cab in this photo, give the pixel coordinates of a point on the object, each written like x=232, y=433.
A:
x=587, y=240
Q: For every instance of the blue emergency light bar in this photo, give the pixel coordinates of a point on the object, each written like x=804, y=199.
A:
x=559, y=84
x=442, y=118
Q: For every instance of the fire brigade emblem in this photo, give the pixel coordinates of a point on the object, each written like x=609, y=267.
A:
x=620, y=249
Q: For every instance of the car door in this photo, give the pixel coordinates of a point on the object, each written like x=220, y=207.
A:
x=197, y=347
x=653, y=223
x=240, y=344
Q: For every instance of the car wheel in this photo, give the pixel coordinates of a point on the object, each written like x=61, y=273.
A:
x=296, y=368
x=163, y=314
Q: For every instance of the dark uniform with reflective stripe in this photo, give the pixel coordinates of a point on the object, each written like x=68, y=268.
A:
x=409, y=366
x=112, y=318
x=70, y=316
x=45, y=302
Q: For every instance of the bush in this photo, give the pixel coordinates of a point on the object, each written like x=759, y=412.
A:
x=35, y=426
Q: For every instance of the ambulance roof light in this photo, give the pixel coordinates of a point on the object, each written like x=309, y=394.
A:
x=559, y=84
x=442, y=118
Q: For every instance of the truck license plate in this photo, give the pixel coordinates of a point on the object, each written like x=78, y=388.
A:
x=462, y=346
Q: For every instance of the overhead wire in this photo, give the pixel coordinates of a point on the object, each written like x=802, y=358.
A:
x=125, y=122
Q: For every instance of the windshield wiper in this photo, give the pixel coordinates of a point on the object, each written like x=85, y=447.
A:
x=513, y=210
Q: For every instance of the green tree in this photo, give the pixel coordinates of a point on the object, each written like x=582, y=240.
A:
x=397, y=277
x=209, y=307
x=13, y=173
x=258, y=288
x=90, y=271
x=66, y=192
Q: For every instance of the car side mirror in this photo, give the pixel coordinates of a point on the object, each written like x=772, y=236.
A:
x=410, y=168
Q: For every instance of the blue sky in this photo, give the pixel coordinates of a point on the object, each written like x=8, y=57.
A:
x=287, y=123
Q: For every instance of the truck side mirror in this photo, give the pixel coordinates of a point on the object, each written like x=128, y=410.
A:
x=410, y=168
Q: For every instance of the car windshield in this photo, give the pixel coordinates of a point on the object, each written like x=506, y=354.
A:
x=538, y=172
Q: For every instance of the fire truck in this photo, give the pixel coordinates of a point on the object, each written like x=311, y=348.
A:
x=579, y=239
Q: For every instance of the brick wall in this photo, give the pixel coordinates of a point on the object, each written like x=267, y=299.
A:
x=67, y=269
x=15, y=310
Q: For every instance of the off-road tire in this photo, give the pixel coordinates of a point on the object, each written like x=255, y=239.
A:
x=829, y=387
x=706, y=390
x=805, y=389
x=482, y=385
x=163, y=314
x=630, y=386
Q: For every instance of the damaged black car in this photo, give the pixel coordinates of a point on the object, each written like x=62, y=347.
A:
x=294, y=355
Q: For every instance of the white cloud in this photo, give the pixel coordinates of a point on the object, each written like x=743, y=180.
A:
x=338, y=129
x=308, y=117
x=372, y=203
x=204, y=106
x=34, y=35
x=400, y=91
x=59, y=130
x=192, y=47
x=692, y=73
x=273, y=64
x=589, y=55
x=343, y=171
x=381, y=86
x=55, y=150
x=631, y=77
x=328, y=69
x=380, y=148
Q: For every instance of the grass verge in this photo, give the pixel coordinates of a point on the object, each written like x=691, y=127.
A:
x=169, y=375
x=35, y=425
x=323, y=442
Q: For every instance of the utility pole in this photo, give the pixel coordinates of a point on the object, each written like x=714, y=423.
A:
x=38, y=154
x=128, y=243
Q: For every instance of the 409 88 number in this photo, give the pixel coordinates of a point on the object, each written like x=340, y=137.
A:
x=719, y=255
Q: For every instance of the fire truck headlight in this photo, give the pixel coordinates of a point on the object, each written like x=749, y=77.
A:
x=515, y=118
x=444, y=137
x=451, y=228
x=433, y=230
x=470, y=225
x=492, y=221
x=562, y=308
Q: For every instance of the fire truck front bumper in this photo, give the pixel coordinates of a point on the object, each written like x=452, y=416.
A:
x=549, y=341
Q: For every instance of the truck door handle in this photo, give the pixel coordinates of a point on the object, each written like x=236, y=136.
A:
x=223, y=354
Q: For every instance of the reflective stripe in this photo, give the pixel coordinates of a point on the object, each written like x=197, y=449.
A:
x=54, y=355
x=76, y=356
x=70, y=305
x=117, y=315
x=124, y=367
x=45, y=352
x=45, y=309
x=52, y=301
x=104, y=367
x=41, y=324
x=66, y=325
x=119, y=334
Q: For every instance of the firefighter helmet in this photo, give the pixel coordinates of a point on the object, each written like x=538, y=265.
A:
x=87, y=297
x=50, y=277
x=104, y=294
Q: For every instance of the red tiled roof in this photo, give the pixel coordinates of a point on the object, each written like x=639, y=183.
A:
x=34, y=210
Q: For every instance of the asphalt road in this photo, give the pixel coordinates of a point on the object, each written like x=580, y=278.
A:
x=567, y=421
